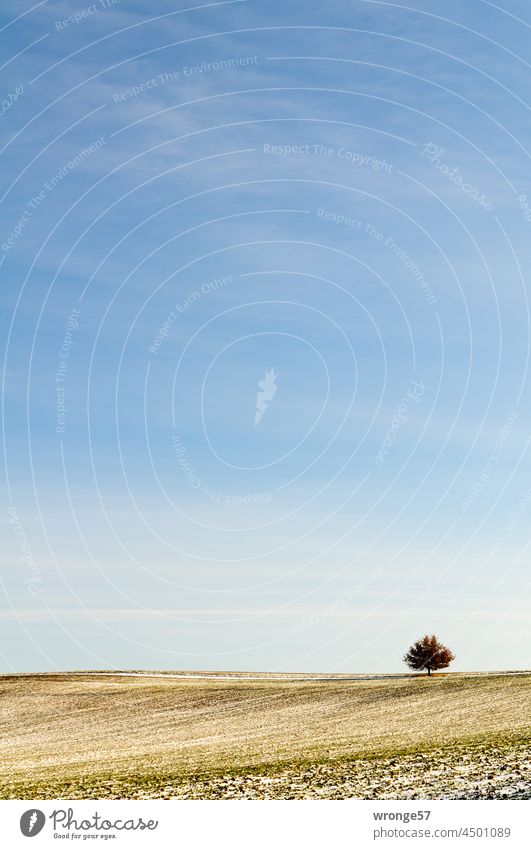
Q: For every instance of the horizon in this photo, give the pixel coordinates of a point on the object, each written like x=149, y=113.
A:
x=198, y=670
x=266, y=336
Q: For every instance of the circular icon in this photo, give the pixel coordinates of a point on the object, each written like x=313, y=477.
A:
x=32, y=822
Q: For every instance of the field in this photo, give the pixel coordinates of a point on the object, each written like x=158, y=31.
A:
x=94, y=735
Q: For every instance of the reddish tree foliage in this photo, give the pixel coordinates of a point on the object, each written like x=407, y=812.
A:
x=428, y=653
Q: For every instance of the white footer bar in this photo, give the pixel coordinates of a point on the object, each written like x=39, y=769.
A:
x=272, y=824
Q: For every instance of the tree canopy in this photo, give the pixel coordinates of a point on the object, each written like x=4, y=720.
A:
x=428, y=653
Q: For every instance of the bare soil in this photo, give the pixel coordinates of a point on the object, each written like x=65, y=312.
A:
x=94, y=735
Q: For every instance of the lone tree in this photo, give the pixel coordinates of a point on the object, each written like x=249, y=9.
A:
x=428, y=653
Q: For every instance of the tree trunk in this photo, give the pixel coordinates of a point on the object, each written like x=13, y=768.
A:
x=429, y=670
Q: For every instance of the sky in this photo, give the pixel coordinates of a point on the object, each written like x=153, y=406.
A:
x=265, y=334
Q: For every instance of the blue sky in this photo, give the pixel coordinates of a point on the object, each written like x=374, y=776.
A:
x=194, y=197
